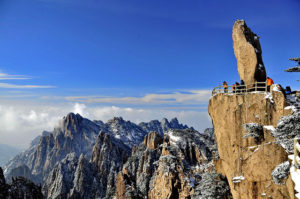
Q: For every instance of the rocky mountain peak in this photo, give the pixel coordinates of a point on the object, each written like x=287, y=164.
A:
x=118, y=120
x=81, y=158
x=174, y=121
x=71, y=122
x=164, y=121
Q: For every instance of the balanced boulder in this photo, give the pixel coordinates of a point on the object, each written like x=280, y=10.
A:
x=248, y=52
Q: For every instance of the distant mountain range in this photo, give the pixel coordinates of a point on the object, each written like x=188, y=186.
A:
x=92, y=159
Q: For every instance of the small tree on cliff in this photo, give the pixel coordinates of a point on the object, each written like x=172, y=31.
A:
x=295, y=68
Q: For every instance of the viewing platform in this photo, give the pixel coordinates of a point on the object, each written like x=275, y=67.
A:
x=242, y=89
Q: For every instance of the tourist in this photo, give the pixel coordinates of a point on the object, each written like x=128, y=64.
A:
x=233, y=87
x=243, y=86
x=270, y=82
x=237, y=86
x=225, y=85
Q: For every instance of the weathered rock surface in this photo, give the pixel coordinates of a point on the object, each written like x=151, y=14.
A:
x=76, y=134
x=248, y=52
x=75, y=177
x=109, y=155
x=172, y=167
x=247, y=160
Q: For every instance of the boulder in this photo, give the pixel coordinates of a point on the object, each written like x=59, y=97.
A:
x=248, y=52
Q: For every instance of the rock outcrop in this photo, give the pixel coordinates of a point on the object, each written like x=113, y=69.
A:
x=179, y=165
x=75, y=177
x=109, y=155
x=248, y=152
x=253, y=153
x=248, y=53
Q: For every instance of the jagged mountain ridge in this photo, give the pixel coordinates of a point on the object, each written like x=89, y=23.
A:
x=177, y=165
x=83, y=159
x=78, y=134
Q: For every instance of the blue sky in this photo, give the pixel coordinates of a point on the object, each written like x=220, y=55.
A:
x=152, y=56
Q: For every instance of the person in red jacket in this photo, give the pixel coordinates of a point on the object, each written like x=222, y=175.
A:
x=269, y=83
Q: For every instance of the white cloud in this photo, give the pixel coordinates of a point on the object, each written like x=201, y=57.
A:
x=21, y=122
x=6, y=85
x=80, y=109
x=189, y=97
x=5, y=76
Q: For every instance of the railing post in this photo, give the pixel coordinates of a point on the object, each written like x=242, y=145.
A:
x=255, y=86
x=266, y=87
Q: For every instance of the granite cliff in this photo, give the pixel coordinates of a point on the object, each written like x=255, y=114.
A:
x=253, y=148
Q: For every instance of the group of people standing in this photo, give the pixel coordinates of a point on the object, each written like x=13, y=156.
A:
x=240, y=87
x=236, y=87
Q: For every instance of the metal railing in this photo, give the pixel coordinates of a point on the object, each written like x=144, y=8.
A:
x=241, y=89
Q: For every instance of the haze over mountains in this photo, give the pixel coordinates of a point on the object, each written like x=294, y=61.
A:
x=7, y=152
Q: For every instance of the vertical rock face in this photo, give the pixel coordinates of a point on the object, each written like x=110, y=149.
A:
x=133, y=181
x=248, y=53
x=109, y=154
x=75, y=177
x=179, y=165
x=248, y=151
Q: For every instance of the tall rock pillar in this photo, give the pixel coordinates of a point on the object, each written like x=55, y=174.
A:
x=248, y=52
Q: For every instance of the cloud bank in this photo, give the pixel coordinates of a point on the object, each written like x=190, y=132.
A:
x=190, y=97
x=21, y=123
